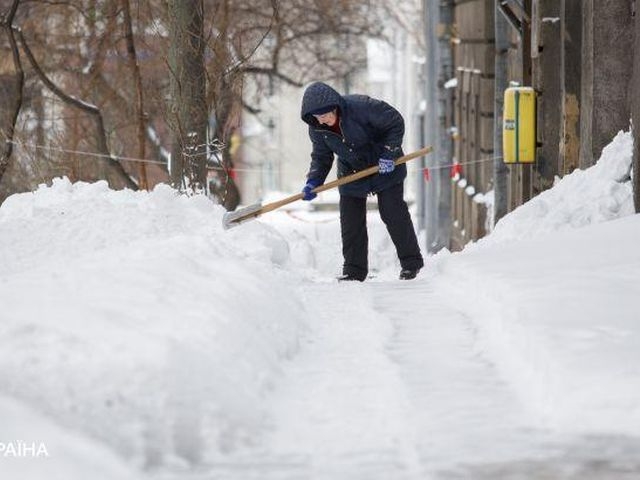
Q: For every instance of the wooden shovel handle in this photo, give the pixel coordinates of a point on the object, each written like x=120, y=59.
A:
x=343, y=180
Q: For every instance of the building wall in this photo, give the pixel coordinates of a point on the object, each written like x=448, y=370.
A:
x=607, y=31
x=578, y=55
x=546, y=52
x=473, y=117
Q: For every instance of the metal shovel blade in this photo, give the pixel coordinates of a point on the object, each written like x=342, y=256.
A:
x=235, y=218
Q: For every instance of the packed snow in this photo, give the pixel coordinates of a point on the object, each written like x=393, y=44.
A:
x=582, y=198
x=141, y=340
x=552, y=289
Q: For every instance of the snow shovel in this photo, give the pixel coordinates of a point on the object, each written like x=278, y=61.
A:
x=231, y=219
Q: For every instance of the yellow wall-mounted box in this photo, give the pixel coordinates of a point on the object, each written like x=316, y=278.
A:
x=519, y=125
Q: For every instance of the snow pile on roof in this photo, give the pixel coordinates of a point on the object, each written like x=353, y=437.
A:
x=553, y=292
x=116, y=305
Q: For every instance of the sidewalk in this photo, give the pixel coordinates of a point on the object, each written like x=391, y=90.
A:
x=391, y=382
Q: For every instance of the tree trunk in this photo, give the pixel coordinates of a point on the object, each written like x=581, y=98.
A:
x=225, y=189
x=188, y=111
x=140, y=115
x=10, y=92
x=635, y=113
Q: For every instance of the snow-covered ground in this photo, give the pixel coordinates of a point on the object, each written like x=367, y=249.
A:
x=138, y=339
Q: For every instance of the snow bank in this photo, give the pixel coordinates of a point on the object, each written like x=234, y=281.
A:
x=115, y=305
x=559, y=319
x=60, y=453
x=597, y=194
x=554, y=292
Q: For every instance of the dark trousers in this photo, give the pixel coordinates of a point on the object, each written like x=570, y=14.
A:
x=395, y=215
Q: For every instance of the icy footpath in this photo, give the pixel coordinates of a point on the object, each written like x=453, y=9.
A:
x=554, y=293
x=388, y=385
x=132, y=319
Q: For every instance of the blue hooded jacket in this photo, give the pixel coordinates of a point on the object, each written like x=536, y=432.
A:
x=371, y=129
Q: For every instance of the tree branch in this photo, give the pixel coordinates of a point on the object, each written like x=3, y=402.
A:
x=274, y=73
x=101, y=136
x=250, y=109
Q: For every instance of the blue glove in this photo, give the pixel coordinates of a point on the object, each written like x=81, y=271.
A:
x=307, y=193
x=386, y=165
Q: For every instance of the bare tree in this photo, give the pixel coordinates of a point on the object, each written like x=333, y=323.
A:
x=140, y=115
x=188, y=109
x=290, y=41
x=10, y=90
x=189, y=62
x=112, y=169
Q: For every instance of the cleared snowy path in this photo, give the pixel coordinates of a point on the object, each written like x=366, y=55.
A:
x=379, y=391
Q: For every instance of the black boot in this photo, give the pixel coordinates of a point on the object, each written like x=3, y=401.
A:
x=406, y=274
x=350, y=278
